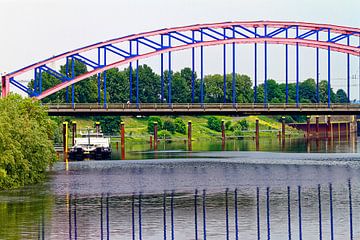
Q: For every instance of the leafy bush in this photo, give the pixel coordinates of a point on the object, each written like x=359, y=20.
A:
x=26, y=141
x=228, y=125
x=180, y=126
x=169, y=126
x=151, y=121
x=164, y=134
x=109, y=125
x=214, y=124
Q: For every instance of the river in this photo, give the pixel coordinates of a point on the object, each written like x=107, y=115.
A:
x=217, y=191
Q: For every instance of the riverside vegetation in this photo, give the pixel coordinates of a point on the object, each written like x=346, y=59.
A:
x=26, y=141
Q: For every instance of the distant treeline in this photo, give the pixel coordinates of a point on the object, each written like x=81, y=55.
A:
x=118, y=86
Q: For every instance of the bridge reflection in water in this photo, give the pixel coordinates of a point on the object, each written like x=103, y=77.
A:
x=292, y=212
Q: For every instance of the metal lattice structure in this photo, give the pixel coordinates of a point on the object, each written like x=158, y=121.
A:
x=129, y=50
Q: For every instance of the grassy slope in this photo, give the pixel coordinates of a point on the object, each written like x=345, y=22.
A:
x=136, y=128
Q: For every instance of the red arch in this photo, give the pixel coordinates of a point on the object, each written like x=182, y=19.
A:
x=308, y=43
x=271, y=24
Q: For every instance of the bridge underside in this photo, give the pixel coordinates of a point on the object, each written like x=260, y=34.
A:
x=198, y=109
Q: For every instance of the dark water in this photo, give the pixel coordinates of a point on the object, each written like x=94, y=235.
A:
x=214, y=192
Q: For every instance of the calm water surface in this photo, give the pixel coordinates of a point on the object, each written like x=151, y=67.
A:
x=214, y=192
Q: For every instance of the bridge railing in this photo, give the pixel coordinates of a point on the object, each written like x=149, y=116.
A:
x=194, y=106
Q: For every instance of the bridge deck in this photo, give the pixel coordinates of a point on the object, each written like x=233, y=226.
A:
x=204, y=109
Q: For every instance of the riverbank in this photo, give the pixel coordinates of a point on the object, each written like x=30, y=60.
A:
x=136, y=128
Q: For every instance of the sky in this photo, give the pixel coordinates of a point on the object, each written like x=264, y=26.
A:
x=32, y=30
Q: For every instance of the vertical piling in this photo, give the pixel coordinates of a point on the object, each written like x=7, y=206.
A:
x=155, y=135
x=189, y=135
x=317, y=126
x=283, y=129
x=65, y=144
x=308, y=127
x=339, y=131
x=122, y=134
x=347, y=131
x=329, y=128
x=151, y=141
x=257, y=134
x=97, y=125
x=73, y=132
x=223, y=131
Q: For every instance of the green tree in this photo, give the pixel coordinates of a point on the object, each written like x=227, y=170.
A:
x=180, y=126
x=109, y=125
x=118, y=85
x=26, y=141
x=307, y=91
x=341, y=96
x=214, y=123
x=151, y=121
x=169, y=126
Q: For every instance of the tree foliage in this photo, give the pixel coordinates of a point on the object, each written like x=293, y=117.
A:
x=26, y=146
x=180, y=126
x=214, y=123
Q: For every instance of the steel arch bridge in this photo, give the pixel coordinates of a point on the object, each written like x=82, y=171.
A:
x=131, y=49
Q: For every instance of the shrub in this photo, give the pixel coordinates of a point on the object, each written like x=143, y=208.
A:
x=151, y=121
x=169, y=126
x=164, y=134
x=180, y=126
x=214, y=124
x=227, y=125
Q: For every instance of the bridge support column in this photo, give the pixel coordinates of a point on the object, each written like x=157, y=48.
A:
x=317, y=126
x=308, y=127
x=155, y=135
x=65, y=144
x=189, y=135
x=122, y=140
x=97, y=126
x=5, y=86
x=257, y=134
x=73, y=132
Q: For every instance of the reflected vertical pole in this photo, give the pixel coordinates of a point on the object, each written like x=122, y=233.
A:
x=224, y=67
x=204, y=213
x=350, y=212
x=72, y=85
x=195, y=214
x=107, y=218
x=122, y=140
x=320, y=217
x=255, y=68
x=258, y=212
x=99, y=77
x=169, y=74
x=317, y=70
x=348, y=70
x=137, y=75
x=101, y=218
x=164, y=214
x=104, y=78
x=268, y=212
x=286, y=68
x=202, y=70
x=236, y=215
x=133, y=216
x=162, y=70
x=189, y=136
x=300, y=220
x=227, y=213
x=289, y=212
x=75, y=222
x=172, y=215
x=193, y=70
x=234, y=70
x=265, y=66
x=329, y=72
x=331, y=212
x=297, y=69
x=140, y=218
x=70, y=232
x=130, y=75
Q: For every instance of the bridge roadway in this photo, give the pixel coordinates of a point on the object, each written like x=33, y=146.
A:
x=120, y=109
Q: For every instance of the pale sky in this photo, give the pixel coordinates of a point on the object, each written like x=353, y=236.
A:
x=32, y=30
